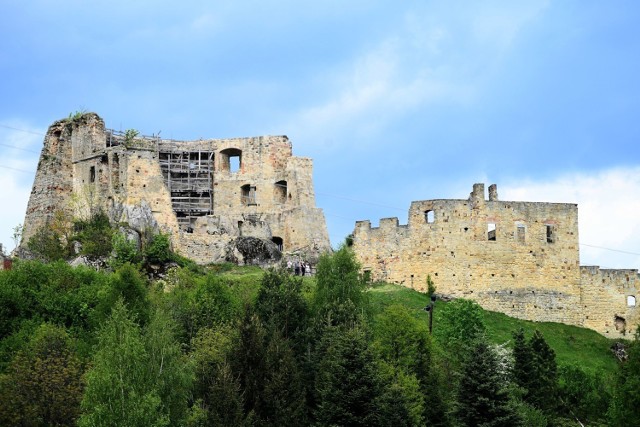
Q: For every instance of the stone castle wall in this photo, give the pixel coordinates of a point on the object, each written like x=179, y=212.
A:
x=269, y=195
x=519, y=258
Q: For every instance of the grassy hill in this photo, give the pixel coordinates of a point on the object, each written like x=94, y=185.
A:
x=573, y=345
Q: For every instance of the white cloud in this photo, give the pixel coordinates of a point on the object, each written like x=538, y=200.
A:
x=436, y=57
x=608, y=205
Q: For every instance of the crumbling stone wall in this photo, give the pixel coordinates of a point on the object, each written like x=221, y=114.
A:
x=609, y=300
x=519, y=258
x=123, y=174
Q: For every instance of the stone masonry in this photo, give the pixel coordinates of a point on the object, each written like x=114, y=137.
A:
x=207, y=194
x=518, y=258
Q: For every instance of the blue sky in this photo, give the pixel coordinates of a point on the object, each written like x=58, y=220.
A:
x=394, y=101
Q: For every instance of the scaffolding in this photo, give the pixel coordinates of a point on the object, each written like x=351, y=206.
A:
x=189, y=178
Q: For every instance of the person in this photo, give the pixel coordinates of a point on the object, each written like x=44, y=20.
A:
x=308, y=268
x=289, y=266
x=296, y=266
x=302, y=267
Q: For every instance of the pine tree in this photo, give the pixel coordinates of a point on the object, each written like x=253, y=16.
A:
x=481, y=399
x=347, y=384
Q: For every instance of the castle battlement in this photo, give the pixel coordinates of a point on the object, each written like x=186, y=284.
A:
x=519, y=258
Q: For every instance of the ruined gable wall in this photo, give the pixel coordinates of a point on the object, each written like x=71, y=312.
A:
x=529, y=279
x=604, y=299
x=53, y=183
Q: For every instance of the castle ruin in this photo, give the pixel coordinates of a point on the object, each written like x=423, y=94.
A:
x=218, y=198
x=518, y=258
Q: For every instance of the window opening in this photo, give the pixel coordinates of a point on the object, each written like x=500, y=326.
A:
x=248, y=195
x=278, y=241
x=551, y=234
x=92, y=174
x=520, y=233
x=231, y=160
x=280, y=192
x=631, y=301
x=491, y=231
x=429, y=216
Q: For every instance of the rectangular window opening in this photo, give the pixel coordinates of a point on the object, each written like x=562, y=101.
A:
x=551, y=234
x=92, y=174
x=520, y=233
x=491, y=232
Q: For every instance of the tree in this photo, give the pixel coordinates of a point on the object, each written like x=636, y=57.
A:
x=404, y=343
x=347, y=384
x=43, y=385
x=535, y=370
x=171, y=372
x=482, y=400
x=339, y=296
x=625, y=406
x=127, y=285
x=120, y=388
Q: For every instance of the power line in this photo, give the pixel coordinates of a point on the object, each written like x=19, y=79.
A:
x=609, y=249
x=19, y=148
x=22, y=130
x=16, y=169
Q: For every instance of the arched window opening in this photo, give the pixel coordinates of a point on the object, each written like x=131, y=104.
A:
x=278, y=241
x=631, y=301
x=280, y=192
x=429, y=216
x=231, y=160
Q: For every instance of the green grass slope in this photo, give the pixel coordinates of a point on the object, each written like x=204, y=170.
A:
x=573, y=345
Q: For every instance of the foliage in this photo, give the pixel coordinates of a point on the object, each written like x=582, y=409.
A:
x=127, y=285
x=16, y=235
x=95, y=234
x=339, y=297
x=158, y=249
x=462, y=323
x=43, y=385
x=583, y=394
x=404, y=343
x=347, y=384
x=535, y=371
x=431, y=287
x=120, y=389
x=280, y=304
x=482, y=399
x=47, y=245
x=625, y=407
x=129, y=137
x=124, y=251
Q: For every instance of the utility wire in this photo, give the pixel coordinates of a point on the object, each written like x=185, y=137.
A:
x=609, y=249
x=21, y=130
x=19, y=148
x=16, y=169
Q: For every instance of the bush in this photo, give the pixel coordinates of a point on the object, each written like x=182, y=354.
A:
x=158, y=249
x=95, y=235
x=124, y=251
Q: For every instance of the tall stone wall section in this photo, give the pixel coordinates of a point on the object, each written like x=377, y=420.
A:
x=609, y=300
x=518, y=258
x=83, y=166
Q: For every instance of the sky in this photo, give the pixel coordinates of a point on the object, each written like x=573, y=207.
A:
x=394, y=101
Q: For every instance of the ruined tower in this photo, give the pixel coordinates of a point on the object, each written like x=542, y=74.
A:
x=207, y=194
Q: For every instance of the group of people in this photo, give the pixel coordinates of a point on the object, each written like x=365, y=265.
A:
x=299, y=267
